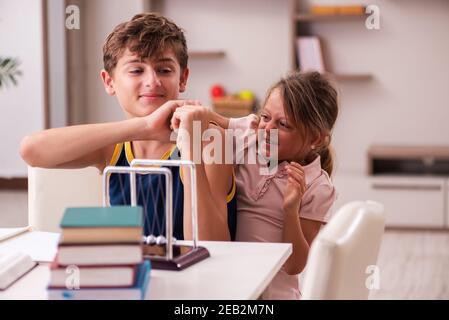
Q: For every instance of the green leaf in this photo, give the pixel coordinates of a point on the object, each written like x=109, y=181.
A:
x=9, y=71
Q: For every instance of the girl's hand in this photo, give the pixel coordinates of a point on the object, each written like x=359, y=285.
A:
x=184, y=117
x=157, y=124
x=295, y=188
x=253, y=121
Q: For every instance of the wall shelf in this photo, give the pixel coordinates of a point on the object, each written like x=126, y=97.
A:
x=207, y=54
x=304, y=17
x=313, y=44
x=351, y=76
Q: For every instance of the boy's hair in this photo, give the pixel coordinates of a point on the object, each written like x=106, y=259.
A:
x=147, y=35
x=311, y=103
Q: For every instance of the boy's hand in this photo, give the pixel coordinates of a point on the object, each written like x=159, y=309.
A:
x=158, y=123
x=295, y=188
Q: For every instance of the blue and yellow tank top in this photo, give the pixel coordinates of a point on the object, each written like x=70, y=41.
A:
x=151, y=193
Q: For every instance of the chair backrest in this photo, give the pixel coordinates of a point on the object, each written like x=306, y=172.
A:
x=344, y=253
x=51, y=191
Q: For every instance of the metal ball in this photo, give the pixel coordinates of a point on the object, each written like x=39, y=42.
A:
x=160, y=240
x=151, y=240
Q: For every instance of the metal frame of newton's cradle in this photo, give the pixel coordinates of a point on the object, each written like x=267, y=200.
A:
x=188, y=255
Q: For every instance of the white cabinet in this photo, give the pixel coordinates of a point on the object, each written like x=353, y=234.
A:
x=415, y=202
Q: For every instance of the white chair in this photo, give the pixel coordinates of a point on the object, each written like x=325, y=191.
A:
x=51, y=191
x=343, y=256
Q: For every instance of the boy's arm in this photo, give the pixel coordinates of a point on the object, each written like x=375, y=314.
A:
x=76, y=146
x=92, y=144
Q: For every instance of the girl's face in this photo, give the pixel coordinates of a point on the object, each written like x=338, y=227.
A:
x=292, y=144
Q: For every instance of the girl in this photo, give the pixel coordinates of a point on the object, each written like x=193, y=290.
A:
x=293, y=203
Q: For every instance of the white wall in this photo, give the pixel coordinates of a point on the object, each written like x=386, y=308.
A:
x=408, y=100
x=101, y=16
x=255, y=35
x=21, y=107
x=57, y=64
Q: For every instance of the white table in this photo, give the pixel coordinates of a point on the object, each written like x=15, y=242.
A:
x=235, y=270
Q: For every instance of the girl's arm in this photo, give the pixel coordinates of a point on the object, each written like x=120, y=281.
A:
x=213, y=180
x=293, y=231
x=222, y=121
x=251, y=121
x=92, y=144
x=310, y=229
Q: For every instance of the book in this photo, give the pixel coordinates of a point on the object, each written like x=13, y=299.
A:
x=123, y=224
x=39, y=245
x=310, y=56
x=336, y=10
x=358, y=10
x=7, y=233
x=105, y=254
x=101, y=235
x=13, y=265
x=136, y=292
x=324, y=10
x=106, y=217
x=94, y=276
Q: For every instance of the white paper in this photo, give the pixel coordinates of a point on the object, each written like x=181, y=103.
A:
x=6, y=233
x=41, y=246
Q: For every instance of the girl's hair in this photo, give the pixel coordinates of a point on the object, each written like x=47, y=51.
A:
x=310, y=102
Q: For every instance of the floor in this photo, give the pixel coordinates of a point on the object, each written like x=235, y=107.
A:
x=412, y=264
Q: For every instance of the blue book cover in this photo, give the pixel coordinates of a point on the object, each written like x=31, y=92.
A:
x=136, y=292
x=116, y=216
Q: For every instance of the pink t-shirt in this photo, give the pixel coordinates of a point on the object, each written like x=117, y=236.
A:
x=260, y=216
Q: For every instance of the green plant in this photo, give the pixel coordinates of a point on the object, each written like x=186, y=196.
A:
x=9, y=71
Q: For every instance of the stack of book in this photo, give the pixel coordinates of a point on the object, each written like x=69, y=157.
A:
x=100, y=255
x=338, y=9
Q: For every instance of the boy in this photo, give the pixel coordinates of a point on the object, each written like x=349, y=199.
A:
x=145, y=67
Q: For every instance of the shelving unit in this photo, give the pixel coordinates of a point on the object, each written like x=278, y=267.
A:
x=304, y=19
x=301, y=17
x=352, y=77
x=207, y=54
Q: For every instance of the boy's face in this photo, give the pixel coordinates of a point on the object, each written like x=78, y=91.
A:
x=142, y=86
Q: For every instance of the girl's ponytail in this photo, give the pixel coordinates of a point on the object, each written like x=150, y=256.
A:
x=327, y=159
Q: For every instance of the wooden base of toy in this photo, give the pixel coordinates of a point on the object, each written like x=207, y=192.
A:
x=183, y=256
